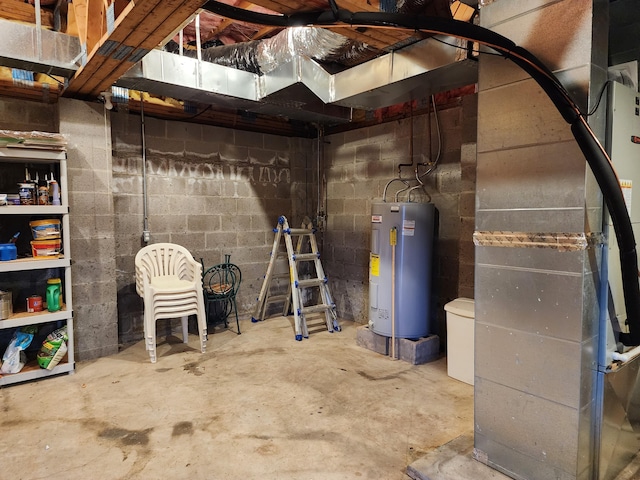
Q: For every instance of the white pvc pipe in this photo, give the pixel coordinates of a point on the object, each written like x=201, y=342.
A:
x=627, y=356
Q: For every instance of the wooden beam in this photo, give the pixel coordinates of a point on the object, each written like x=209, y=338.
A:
x=291, y=6
x=206, y=115
x=264, y=32
x=376, y=38
x=78, y=20
x=226, y=22
x=96, y=22
x=36, y=91
x=24, y=12
x=151, y=26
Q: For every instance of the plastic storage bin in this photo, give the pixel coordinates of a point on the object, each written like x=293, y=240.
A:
x=460, y=339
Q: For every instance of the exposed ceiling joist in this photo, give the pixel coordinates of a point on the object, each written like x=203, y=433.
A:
x=137, y=30
x=24, y=12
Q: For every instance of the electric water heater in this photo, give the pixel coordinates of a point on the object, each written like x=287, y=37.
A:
x=407, y=228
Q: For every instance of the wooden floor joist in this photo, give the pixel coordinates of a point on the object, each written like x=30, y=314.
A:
x=139, y=29
x=376, y=38
x=25, y=12
x=35, y=91
x=227, y=118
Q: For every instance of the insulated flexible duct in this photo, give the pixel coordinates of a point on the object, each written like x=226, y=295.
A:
x=596, y=156
x=263, y=56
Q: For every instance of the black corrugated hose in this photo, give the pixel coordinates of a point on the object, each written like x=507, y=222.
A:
x=593, y=151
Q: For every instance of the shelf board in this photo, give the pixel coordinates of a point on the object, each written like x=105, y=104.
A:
x=34, y=209
x=32, y=371
x=34, y=263
x=32, y=155
x=21, y=319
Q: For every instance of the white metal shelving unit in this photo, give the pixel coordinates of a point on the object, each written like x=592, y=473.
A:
x=8, y=156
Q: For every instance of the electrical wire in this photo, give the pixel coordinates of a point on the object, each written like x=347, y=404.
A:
x=208, y=107
x=55, y=79
x=600, y=95
x=467, y=49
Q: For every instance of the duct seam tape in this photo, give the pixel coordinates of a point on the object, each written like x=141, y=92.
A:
x=559, y=241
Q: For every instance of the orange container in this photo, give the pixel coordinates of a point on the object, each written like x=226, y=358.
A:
x=45, y=248
x=45, y=229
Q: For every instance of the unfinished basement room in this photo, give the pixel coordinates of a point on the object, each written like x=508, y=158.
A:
x=324, y=239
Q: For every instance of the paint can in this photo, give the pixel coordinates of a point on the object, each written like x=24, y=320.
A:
x=34, y=303
x=27, y=194
x=6, y=305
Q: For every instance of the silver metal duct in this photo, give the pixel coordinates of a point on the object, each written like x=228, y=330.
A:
x=620, y=422
x=39, y=50
x=301, y=89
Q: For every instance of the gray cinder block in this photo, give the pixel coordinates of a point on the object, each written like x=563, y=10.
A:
x=422, y=350
x=414, y=351
x=372, y=341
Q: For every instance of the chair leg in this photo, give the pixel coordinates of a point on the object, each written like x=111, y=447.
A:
x=226, y=312
x=235, y=309
x=185, y=329
x=202, y=324
x=150, y=332
x=151, y=338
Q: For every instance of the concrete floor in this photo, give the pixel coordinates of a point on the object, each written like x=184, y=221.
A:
x=257, y=405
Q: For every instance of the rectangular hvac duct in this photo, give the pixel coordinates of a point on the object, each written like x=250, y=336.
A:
x=301, y=89
x=34, y=49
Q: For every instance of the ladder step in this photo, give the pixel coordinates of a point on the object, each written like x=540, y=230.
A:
x=299, y=231
x=306, y=256
x=311, y=282
x=277, y=298
x=316, y=308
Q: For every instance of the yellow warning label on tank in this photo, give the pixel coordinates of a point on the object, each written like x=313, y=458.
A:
x=375, y=265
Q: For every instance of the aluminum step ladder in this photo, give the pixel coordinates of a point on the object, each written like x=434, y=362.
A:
x=296, y=258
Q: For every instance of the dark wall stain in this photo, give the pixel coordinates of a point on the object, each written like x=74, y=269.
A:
x=126, y=437
x=182, y=428
x=163, y=370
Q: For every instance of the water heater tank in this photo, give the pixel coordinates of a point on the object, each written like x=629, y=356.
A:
x=415, y=226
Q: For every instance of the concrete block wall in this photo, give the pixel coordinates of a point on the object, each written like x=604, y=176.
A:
x=360, y=163
x=88, y=130
x=22, y=115
x=215, y=191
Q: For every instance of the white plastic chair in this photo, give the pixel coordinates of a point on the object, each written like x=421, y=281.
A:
x=169, y=281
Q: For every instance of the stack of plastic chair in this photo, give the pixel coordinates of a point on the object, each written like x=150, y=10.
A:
x=169, y=281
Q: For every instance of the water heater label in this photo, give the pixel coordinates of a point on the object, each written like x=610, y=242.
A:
x=376, y=218
x=374, y=265
x=408, y=228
